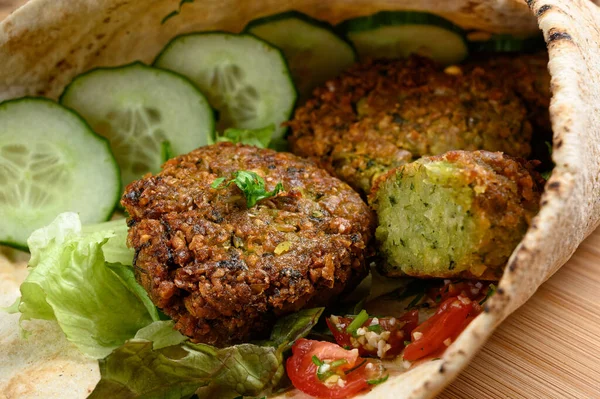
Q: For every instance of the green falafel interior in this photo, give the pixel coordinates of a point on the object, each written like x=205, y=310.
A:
x=425, y=220
x=460, y=214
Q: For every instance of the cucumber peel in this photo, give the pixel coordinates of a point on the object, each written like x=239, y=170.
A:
x=508, y=44
x=244, y=78
x=139, y=108
x=51, y=162
x=397, y=34
x=315, y=53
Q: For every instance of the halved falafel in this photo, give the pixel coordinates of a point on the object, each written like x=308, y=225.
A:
x=383, y=113
x=460, y=214
x=222, y=271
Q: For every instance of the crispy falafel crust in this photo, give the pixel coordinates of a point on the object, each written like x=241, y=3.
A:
x=467, y=212
x=224, y=272
x=381, y=114
x=528, y=76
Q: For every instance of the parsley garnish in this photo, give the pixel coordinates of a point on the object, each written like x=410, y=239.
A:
x=217, y=182
x=251, y=184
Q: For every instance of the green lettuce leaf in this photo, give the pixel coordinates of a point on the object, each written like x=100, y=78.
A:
x=257, y=137
x=296, y=325
x=115, y=249
x=136, y=370
x=69, y=281
x=127, y=278
x=162, y=334
x=146, y=367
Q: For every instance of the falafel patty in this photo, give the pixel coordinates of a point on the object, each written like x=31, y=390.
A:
x=460, y=214
x=528, y=76
x=222, y=271
x=381, y=114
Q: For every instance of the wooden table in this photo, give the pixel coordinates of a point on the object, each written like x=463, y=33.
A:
x=550, y=348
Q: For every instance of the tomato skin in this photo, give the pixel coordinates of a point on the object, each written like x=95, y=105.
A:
x=452, y=317
x=400, y=330
x=467, y=289
x=302, y=371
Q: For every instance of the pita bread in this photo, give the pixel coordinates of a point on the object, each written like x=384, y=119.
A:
x=46, y=43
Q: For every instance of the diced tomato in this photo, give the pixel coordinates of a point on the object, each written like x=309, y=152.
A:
x=353, y=371
x=433, y=335
x=473, y=290
x=399, y=330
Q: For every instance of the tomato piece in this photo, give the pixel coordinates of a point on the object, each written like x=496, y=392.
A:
x=474, y=290
x=441, y=329
x=393, y=330
x=354, y=372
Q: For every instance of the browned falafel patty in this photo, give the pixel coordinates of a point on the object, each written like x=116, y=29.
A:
x=528, y=76
x=222, y=271
x=381, y=114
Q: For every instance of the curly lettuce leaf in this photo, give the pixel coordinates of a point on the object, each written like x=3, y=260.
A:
x=115, y=249
x=162, y=334
x=296, y=325
x=146, y=367
x=127, y=278
x=136, y=370
x=70, y=282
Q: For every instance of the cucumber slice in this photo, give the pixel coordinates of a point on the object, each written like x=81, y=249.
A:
x=314, y=52
x=51, y=162
x=390, y=34
x=244, y=78
x=505, y=43
x=138, y=108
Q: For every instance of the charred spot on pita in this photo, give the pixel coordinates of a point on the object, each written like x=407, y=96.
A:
x=555, y=34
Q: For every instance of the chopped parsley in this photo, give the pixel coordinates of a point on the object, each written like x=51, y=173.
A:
x=375, y=328
x=251, y=184
x=358, y=321
x=326, y=370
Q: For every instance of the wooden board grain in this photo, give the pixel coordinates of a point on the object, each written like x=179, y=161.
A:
x=549, y=348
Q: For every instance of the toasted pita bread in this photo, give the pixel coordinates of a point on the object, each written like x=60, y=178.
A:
x=47, y=42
